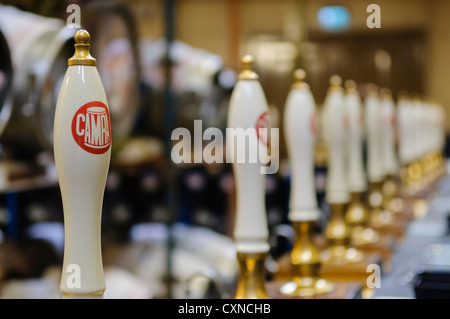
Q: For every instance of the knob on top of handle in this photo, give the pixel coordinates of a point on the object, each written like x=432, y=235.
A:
x=82, y=55
x=371, y=89
x=350, y=86
x=385, y=93
x=247, y=72
x=299, y=75
x=299, y=79
x=335, y=83
x=402, y=94
x=415, y=97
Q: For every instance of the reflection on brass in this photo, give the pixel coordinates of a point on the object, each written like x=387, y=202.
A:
x=341, y=255
x=252, y=271
x=357, y=217
x=305, y=265
x=427, y=164
x=364, y=236
x=391, y=198
x=441, y=164
x=414, y=176
x=404, y=179
x=337, y=231
x=338, y=234
x=82, y=55
x=247, y=72
x=357, y=213
x=434, y=166
x=426, y=169
x=422, y=173
x=379, y=216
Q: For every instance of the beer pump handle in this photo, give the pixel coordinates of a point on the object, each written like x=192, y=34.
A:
x=82, y=149
x=300, y=132
x=375, y=170
x=390, y=164
x=248, y=113
x=337, y=185
x=357, y=181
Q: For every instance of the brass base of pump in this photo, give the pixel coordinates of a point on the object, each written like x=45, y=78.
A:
x=412, y=178
x=305, y=266
x=338, y=235
x=391, y=199
x=361, y=236
x=393, y=202
x=439, y=165
x=90, y=295
x=426, y=164
x=379, y=217
x=396, y=205
x=341, y=255
x=357, y=216
x=252, y=271
x=433, y=166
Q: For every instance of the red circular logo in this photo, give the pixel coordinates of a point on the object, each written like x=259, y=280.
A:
x=263, y=123
x=313, y=123
x=91, y=127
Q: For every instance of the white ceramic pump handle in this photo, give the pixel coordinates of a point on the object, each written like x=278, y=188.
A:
x=300, y=133
x=248, y=112
x=390, y=163
x=357, y=179
x=82, y=148
x=375, y=169
x=337, y=191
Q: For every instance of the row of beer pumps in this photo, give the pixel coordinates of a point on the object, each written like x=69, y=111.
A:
x=369, y=201
x=364, y=203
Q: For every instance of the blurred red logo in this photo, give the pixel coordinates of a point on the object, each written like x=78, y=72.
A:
x=262, y=128
x=313, y=123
